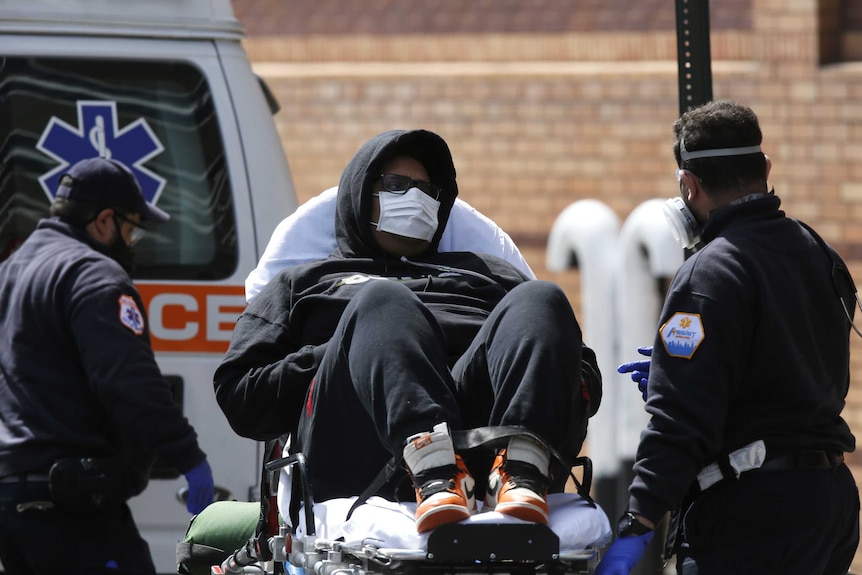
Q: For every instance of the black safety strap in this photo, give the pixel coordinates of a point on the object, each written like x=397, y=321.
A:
x=379, y=481
x=481, y=436
x=840, y=277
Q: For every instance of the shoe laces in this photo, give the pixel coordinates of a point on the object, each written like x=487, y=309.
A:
x=436, y=480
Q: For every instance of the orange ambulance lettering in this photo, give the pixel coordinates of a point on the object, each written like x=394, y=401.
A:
x=192, y=318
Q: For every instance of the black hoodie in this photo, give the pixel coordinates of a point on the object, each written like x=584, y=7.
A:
x=353, y=210
x=280, y=339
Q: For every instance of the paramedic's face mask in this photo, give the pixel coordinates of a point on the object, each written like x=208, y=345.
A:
x=121, y=251
x=683, y=224
x=123, y=235
x=410, y=213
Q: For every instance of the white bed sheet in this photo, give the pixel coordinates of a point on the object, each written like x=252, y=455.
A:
x=576, y=523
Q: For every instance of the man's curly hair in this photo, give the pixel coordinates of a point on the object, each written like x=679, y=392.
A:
x=716, y=125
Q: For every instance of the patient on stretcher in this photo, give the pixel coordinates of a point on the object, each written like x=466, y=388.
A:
x=381, y=353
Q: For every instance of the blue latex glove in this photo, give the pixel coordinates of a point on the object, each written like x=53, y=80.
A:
x=639, y=370
x=623, y=554
x=201, y=487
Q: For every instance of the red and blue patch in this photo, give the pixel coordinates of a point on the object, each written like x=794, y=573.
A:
x=130, y=314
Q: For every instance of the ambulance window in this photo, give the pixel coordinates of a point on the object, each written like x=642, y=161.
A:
x=158, y=117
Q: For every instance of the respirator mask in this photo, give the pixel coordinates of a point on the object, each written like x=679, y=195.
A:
x=412, y=214
x=683, y=225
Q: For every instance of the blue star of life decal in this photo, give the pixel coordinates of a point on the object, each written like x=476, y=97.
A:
x=99, y=135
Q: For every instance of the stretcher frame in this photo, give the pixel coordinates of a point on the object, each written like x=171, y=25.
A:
x=453, y=549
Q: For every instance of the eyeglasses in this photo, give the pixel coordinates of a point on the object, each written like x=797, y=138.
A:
x=398, y=184
x=138, y=230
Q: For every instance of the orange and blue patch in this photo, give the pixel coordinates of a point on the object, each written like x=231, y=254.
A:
x=682, y=334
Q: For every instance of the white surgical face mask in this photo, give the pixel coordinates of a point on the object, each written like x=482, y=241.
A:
x=683, y=224
x=411, y=214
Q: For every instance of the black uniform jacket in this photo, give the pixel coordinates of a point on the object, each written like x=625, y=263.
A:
x=77, y=373
x=753, y=344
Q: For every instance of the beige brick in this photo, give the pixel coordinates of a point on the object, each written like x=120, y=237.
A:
x=852, y=191
x=539, y=123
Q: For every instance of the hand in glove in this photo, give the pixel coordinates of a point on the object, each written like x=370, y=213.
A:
x=639, y=370
x=201, y=487
x=623, y=554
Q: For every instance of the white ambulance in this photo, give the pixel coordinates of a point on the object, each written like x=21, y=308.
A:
x=164, y=86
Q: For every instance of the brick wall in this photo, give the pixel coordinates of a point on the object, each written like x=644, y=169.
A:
x=538, y=120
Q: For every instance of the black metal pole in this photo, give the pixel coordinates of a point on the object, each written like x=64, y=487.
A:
x=693, y=54
x=694, y=74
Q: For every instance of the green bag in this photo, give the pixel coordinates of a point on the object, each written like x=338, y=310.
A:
x=214, y=534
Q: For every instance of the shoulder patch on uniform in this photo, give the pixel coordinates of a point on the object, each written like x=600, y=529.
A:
x=130, y=315
x=682, y=334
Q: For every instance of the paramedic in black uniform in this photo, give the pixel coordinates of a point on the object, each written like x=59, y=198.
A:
x=748, y=376
x=388, y=346
x=78, y=379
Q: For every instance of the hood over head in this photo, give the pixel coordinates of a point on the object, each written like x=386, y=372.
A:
x=353, y=231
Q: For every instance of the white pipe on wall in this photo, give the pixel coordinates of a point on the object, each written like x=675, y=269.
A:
x=588, y=229
x=648, y=252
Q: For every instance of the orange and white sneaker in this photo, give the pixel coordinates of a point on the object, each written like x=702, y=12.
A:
x=518, y=482
x=445, y=490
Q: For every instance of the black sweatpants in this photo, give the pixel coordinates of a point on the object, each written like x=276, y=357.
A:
x=385, y=377
x=802, y=522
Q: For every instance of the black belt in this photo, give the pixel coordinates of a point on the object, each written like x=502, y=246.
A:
x=25, y=478
x=803, y=460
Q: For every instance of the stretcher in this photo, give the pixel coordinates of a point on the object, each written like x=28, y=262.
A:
x=378, y=537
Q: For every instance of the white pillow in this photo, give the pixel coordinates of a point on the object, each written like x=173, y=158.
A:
x=308, y=234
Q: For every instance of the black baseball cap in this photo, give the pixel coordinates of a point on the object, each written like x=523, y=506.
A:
x=108, y=183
